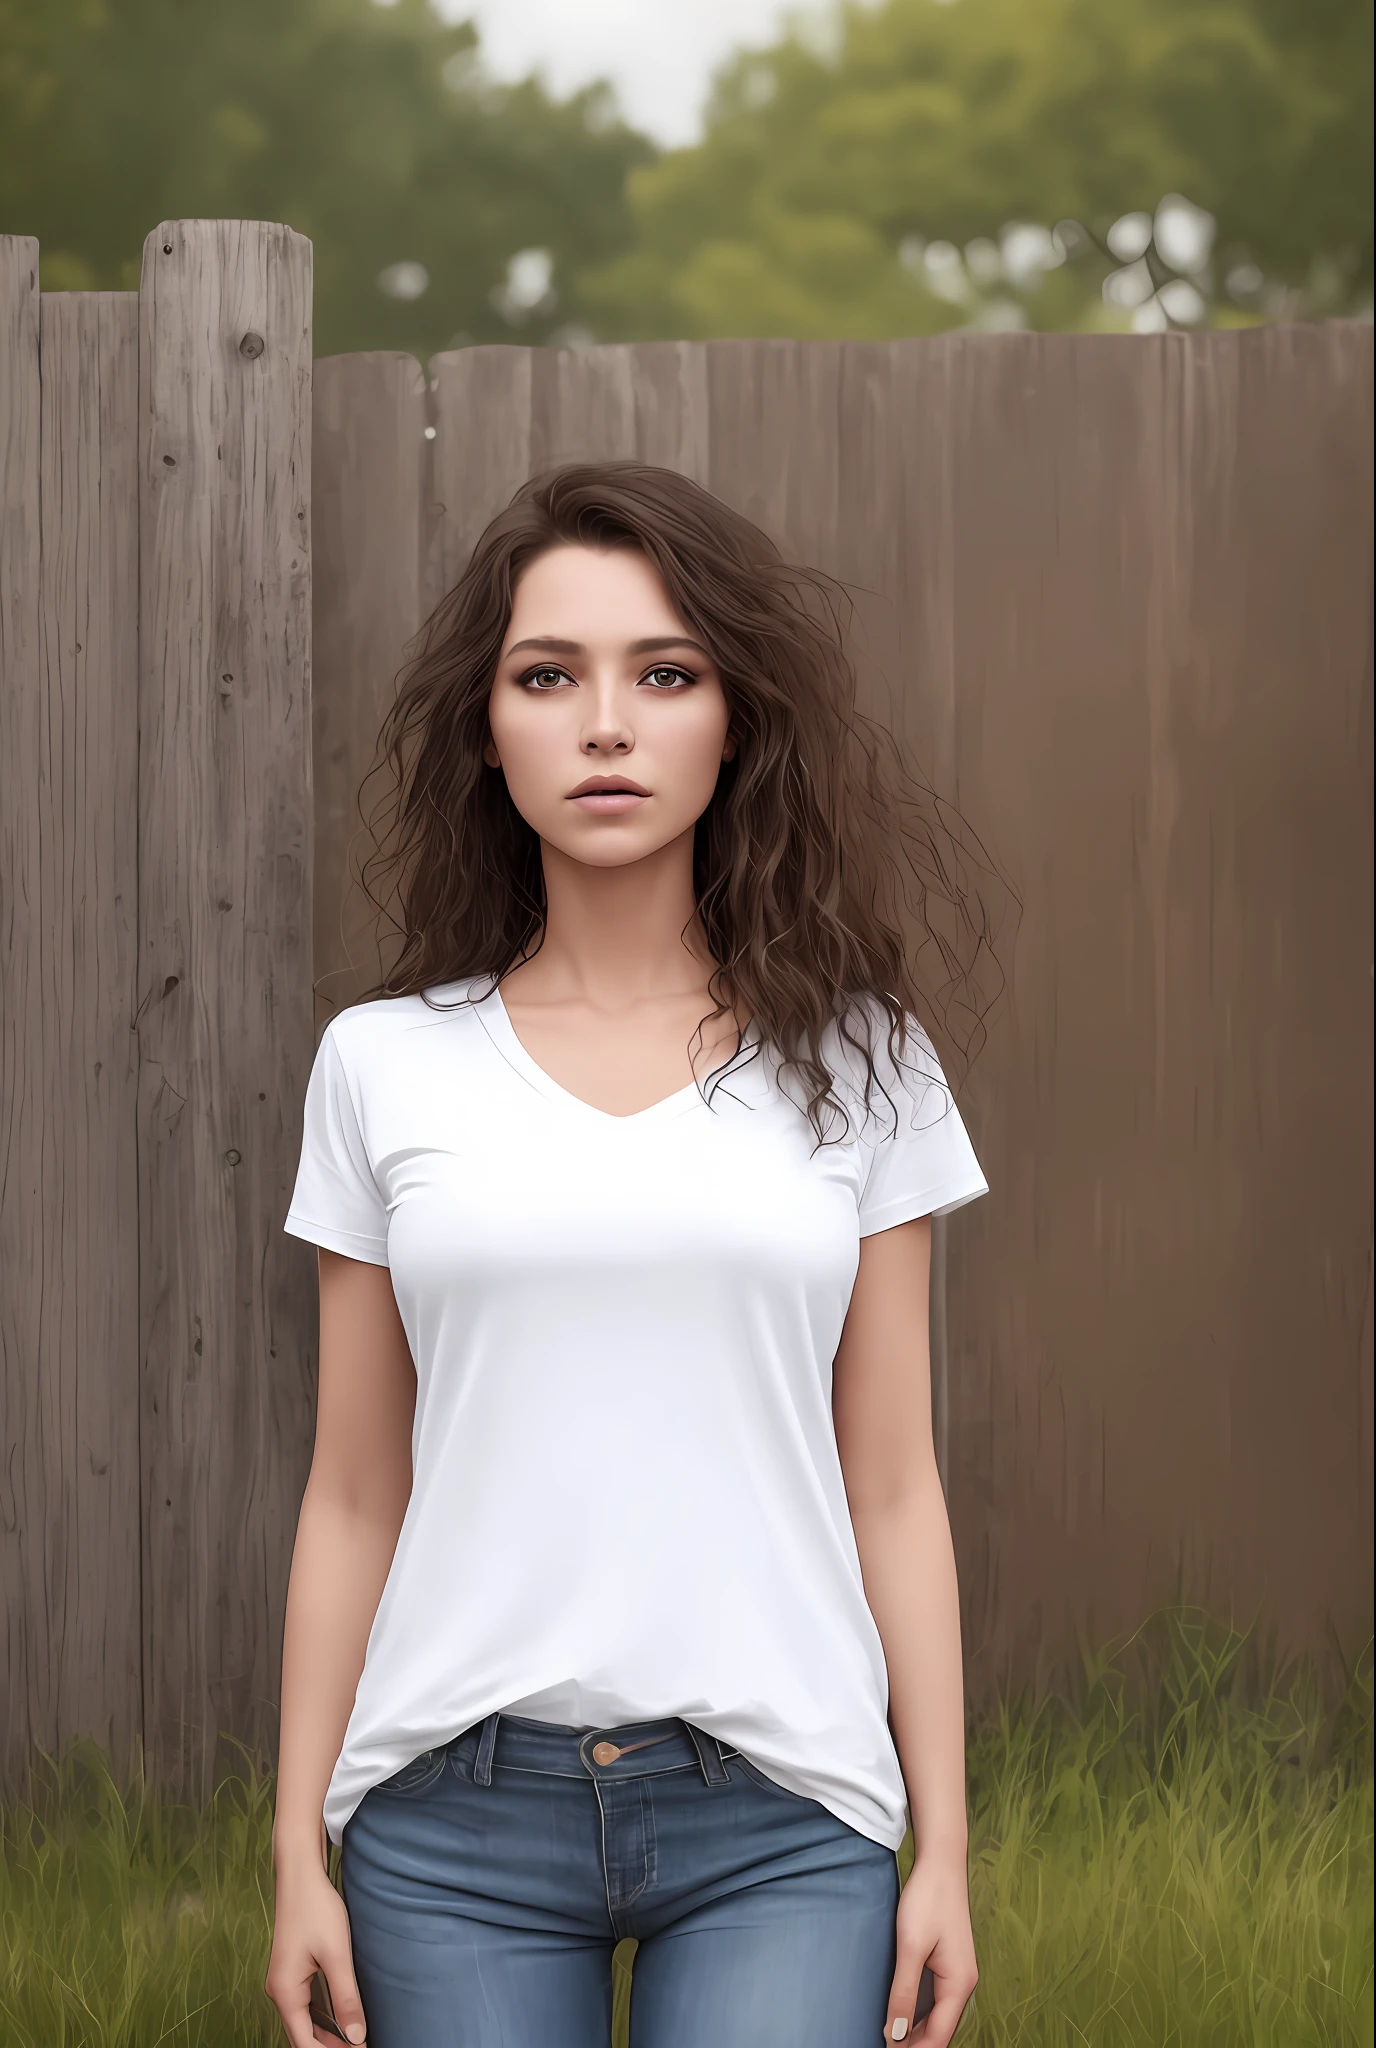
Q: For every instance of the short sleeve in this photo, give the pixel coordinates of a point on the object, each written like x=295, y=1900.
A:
x=336, y=1201
x=919, y=1159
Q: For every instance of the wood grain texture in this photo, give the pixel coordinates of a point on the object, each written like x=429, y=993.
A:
x=87, y=779
x=582, y=405
x=672, y=408
x=369, y=458
x=481, y=454
x=23, y=1506
x=225, y=1012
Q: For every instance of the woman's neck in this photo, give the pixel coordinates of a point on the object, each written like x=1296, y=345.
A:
x=620, y=935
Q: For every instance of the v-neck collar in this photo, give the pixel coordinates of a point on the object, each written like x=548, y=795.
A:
x=496, y=1021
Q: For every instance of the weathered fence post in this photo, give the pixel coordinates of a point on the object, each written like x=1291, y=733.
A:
x=21, y=1030
x=224, y=983
x=68, y=1215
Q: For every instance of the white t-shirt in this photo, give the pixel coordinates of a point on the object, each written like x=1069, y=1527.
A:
x=627, y=1498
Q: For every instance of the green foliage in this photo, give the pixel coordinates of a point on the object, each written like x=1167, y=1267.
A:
x=370, y=129
x=1181, y=1855
x=831, y=164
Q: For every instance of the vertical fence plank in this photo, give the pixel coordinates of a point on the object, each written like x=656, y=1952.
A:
x=582, y=405
x=480, y=455
x=1263, y=933
x=88, y=781
x=367, y=479
x=672, y=410
x=397, y=512
x=225, y=1012
x=922, y=700
x=775, y=440
x=23, y=1504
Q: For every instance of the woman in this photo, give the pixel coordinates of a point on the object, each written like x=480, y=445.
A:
x=624, y=1477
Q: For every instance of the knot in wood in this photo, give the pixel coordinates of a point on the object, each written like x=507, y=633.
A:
x=252, y=345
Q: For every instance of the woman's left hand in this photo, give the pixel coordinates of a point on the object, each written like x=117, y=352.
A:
x=933, y=1929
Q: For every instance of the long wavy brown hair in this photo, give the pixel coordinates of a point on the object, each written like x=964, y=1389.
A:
x=823, y=872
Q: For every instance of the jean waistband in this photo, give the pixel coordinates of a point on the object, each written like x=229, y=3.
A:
x=631, y=1749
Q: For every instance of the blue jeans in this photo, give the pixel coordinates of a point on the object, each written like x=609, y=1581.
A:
x=489, y=1881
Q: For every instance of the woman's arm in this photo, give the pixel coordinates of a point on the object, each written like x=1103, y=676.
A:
x=351, y=1515
x=882, y=1407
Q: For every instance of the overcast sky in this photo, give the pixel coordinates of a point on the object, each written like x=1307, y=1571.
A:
x=659, y=54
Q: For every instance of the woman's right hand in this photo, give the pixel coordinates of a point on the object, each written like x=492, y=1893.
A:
x=310, y=1933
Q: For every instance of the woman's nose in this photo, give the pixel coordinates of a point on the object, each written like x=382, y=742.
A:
x=607, y=729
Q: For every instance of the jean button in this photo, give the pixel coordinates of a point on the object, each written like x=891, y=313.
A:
x=605, y=1752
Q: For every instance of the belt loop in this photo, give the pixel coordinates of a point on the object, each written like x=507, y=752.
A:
x=487, y=1742
x=710, y=1755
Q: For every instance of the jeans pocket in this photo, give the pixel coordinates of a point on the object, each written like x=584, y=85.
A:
x=420, y=1774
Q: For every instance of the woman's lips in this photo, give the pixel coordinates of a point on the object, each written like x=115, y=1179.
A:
x=608, y=803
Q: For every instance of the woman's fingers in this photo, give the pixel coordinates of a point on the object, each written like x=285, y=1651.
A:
x=903, y=1998
x=338, y=1965
x=293, y=1999
x=293, y=2007
x=952, y=1997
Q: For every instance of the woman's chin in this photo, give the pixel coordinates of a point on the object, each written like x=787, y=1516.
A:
x=610, y=843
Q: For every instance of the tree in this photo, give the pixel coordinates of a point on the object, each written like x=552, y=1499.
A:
x=906, y=172
x=371, y=129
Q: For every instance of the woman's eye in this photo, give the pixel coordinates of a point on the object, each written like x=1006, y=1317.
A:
x=544, y=678
x=668, y=678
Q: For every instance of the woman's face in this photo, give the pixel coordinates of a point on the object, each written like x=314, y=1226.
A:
x=608, y=719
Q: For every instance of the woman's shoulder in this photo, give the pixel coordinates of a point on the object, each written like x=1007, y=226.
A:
x=870, y=1030
x=364, y=1031
x=879, y=1052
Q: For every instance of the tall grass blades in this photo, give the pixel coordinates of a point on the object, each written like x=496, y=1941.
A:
x=130, y=1921
x=1163, y=1864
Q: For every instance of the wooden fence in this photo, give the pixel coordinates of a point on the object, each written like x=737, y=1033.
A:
x=1115, y=594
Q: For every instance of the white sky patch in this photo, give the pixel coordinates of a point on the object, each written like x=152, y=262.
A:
x=658, y=54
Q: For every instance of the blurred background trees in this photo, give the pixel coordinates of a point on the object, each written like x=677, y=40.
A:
x=910, y=171
x=372, y=130
x=883, y=169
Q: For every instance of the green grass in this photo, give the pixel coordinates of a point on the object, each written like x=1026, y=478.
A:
x=1183, y=1855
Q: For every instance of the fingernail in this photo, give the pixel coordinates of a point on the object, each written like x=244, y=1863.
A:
x=900, y=2028
x=357, y=2032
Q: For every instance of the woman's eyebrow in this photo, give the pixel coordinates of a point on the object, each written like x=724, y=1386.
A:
x=553, y=646
x=674, y=640
x=657, y=646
